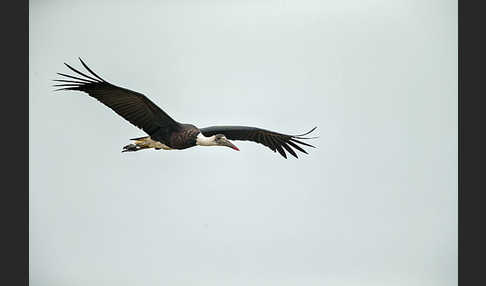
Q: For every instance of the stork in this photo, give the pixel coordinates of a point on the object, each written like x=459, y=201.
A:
x=163, y=131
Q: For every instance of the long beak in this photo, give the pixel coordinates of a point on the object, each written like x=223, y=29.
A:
x=231, y=145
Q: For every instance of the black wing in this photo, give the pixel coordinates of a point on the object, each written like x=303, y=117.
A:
x=273, y=140
x=133, y=106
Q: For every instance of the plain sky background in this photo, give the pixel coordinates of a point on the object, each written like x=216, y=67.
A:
x=374, y=204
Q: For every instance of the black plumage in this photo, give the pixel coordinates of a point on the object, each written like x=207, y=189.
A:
x=273, y=140
x=133, y=106
x=146, y=115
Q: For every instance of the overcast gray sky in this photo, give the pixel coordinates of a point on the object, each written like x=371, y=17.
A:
x=374, y=204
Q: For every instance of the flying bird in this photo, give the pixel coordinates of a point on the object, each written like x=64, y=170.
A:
x=162, y=130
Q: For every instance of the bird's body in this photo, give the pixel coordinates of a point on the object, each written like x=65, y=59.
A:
x=163, y=131
x=181, y=136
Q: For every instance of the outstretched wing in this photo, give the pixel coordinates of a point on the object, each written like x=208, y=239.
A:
x=133, y=106
x=273, y=140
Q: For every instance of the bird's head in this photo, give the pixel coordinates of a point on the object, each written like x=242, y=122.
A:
x=221, y=140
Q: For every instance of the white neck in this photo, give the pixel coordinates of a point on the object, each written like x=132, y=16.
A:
x=205, y=141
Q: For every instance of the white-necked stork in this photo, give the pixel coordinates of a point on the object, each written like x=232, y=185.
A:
x=164, y=132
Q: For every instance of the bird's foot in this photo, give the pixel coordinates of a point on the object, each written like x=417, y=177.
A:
x=131, y=148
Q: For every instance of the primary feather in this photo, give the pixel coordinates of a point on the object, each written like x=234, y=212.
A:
x=277, y=142
x=133, y=106
x=140, y=111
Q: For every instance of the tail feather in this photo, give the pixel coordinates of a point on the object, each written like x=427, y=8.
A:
x=139, y=138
